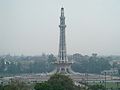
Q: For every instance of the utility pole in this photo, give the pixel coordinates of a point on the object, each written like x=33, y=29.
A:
x=105, y=82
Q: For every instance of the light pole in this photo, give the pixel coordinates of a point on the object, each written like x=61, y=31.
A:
x=105, y=80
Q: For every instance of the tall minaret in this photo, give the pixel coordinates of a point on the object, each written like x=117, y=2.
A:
x=62, y=63
x=62, y=43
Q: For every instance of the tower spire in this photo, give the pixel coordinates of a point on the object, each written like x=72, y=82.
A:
x=62, y=44
x=62, y=64
x=62, y=11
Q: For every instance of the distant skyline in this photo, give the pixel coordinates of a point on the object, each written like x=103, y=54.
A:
x=30, y=27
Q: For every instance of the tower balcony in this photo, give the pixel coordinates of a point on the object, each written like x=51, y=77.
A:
x=62, y=26
x=63, y=62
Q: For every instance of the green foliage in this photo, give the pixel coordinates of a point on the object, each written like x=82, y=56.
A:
x=2, y=65
x=96, y=87
x=42, y=86
x=21, y=64
x=10, y=87
x=56, y=82
x=15, y=85
x=1, y=87
x=61, y=82
x=91, y=65
x=44, y=63
x=50, y=60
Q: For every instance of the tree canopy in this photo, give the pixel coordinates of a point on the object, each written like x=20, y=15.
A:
x=56, y=82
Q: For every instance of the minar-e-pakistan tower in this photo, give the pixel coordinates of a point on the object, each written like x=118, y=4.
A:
x=62, y=64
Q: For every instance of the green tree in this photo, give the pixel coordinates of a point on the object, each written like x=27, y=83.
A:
x=2, y=65
x=16, y=85
x=10, y=87
x=56, y=82
x=96, y=87
x=42, y=86
x=61, y=82
x=50, y=66
x=1, y=87
x=91, y=65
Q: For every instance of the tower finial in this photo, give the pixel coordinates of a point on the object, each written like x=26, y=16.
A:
x=62, y=11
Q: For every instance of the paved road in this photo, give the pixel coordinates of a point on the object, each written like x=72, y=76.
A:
x=76, y=77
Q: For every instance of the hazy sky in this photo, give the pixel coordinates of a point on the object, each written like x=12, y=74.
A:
x=30, y=27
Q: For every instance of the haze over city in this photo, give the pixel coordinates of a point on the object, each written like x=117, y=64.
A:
x=30, y=27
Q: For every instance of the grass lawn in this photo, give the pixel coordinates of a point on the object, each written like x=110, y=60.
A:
x=113, y=85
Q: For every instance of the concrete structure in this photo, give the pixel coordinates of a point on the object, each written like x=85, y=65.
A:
x=62, y=63
x=112, y=71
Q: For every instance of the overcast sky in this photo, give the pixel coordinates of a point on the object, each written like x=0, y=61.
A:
x=30, y=27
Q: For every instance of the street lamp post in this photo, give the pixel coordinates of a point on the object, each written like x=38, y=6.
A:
x=105, y=80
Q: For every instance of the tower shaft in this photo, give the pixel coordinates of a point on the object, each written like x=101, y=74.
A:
x=62, y=56
x=62, y=64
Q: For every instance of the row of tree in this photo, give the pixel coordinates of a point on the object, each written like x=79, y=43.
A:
x=16, y=85
x=44, y=63
x=93, y=64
